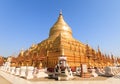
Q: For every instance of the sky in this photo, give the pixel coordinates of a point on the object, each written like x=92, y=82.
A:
x=27, y=22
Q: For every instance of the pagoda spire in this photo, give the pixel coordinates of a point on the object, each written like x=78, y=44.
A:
x=98, y=48
x=60, y=12
x=60, y=26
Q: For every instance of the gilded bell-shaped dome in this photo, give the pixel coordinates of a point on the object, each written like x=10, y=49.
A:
x=60, y=27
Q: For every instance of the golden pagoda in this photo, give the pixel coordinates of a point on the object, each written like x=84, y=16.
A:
x=61, y=43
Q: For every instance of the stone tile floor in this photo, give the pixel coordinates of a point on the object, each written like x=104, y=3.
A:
x=98, y=80
x=4, y=81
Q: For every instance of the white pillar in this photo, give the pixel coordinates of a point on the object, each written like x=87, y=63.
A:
x=12, y=70
x=23, y=71
x=17, y=71
x=29, y=72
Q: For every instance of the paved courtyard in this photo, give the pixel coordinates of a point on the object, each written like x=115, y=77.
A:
x=4, y=81
x=17, y=80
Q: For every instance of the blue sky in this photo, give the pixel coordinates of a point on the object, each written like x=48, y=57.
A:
x=27, y=22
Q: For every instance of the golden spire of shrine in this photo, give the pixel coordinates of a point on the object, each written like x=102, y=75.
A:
x=60, y=27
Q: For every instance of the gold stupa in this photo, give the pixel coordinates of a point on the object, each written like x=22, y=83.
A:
x=60, y=27
x=61, y=43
